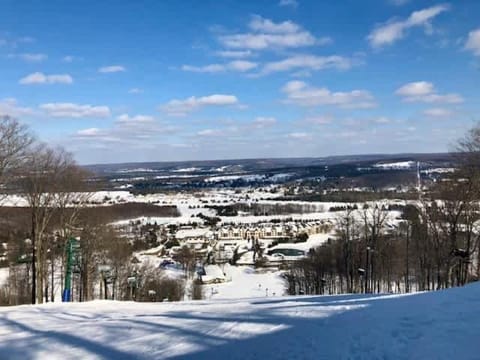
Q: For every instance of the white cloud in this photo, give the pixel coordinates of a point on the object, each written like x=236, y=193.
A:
x=299, y=136
x=10, y=107
x=71, y=58
x=13, y=42
x=75, y=110
x=413, y=89
x=98, y=136
x=127, y=130
x=264, y=41
x=267, y=34
x=261, y=24
x=236, y=65
x=299, y=93
x=135, y=91
x=29, y=57
x=399, y=2
x=423, y=91
x=292, y=3
x=263, y=122
x=137, y=119
x=393, y=30
x=183, y=107
x=319, y=120
x=234, y=53
x=438, y=112
x=242, y=65
x=382, y=120
x=89, y=132
x=310, y=62
x=112, y=69
x=41, y=78
x=212, y=68
x=473, y=42
x=210, y=132
x=348, y=134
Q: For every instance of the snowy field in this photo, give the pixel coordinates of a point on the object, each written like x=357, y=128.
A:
x=438, y=325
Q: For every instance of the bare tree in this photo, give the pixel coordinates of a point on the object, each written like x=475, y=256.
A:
x=467, y=155
x=15, y=141
x=43, y=181
x=374, y=218
x=348, y=234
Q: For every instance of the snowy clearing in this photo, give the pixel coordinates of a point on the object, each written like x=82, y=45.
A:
x=246, y=282
x=437, y=325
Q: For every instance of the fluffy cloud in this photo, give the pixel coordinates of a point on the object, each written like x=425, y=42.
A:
x=234, y=53
x=137, y=119
x=399, y=2
x=236, y=65
x=393, y=30
x=473, y=42
x=13, y=42
x=135, y=130
x=210, y=132
x=29, y=57
x=307, y=62
x=71, y=110
x=183, y=107
x=263, y=122
x=292, y=3
x=423, y=91
x=268, y=26
x=242, y=65
x=299, y=93
x=299, y=136
x=382, y=120
x=89, y=132
x=438, y=112
x=212, y=68
x=319, y=120
x=267, y=34
x=135, y=91
x=415, y=89
x=264, y=41
x=41, y=78
x=112, y=69
x=10, y=107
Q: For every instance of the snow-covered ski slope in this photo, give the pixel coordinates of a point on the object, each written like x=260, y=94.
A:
x=437, y=325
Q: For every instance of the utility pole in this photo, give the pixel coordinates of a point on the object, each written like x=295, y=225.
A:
x=407, y=276
x=419, y=181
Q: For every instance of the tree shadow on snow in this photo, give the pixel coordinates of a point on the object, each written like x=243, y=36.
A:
x=38, y=339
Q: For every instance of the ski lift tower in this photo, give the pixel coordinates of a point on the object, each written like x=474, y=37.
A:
x=73, y=246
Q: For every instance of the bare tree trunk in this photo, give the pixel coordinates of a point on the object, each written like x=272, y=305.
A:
x=52, y=265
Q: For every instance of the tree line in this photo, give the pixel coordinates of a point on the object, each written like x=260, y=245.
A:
x=432, y=244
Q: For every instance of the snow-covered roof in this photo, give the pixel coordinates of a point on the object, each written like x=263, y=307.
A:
x=192, y=233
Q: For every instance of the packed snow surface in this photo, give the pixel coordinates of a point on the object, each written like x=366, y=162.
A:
x=437, y=325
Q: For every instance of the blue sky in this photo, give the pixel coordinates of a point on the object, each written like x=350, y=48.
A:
x=118, y=81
